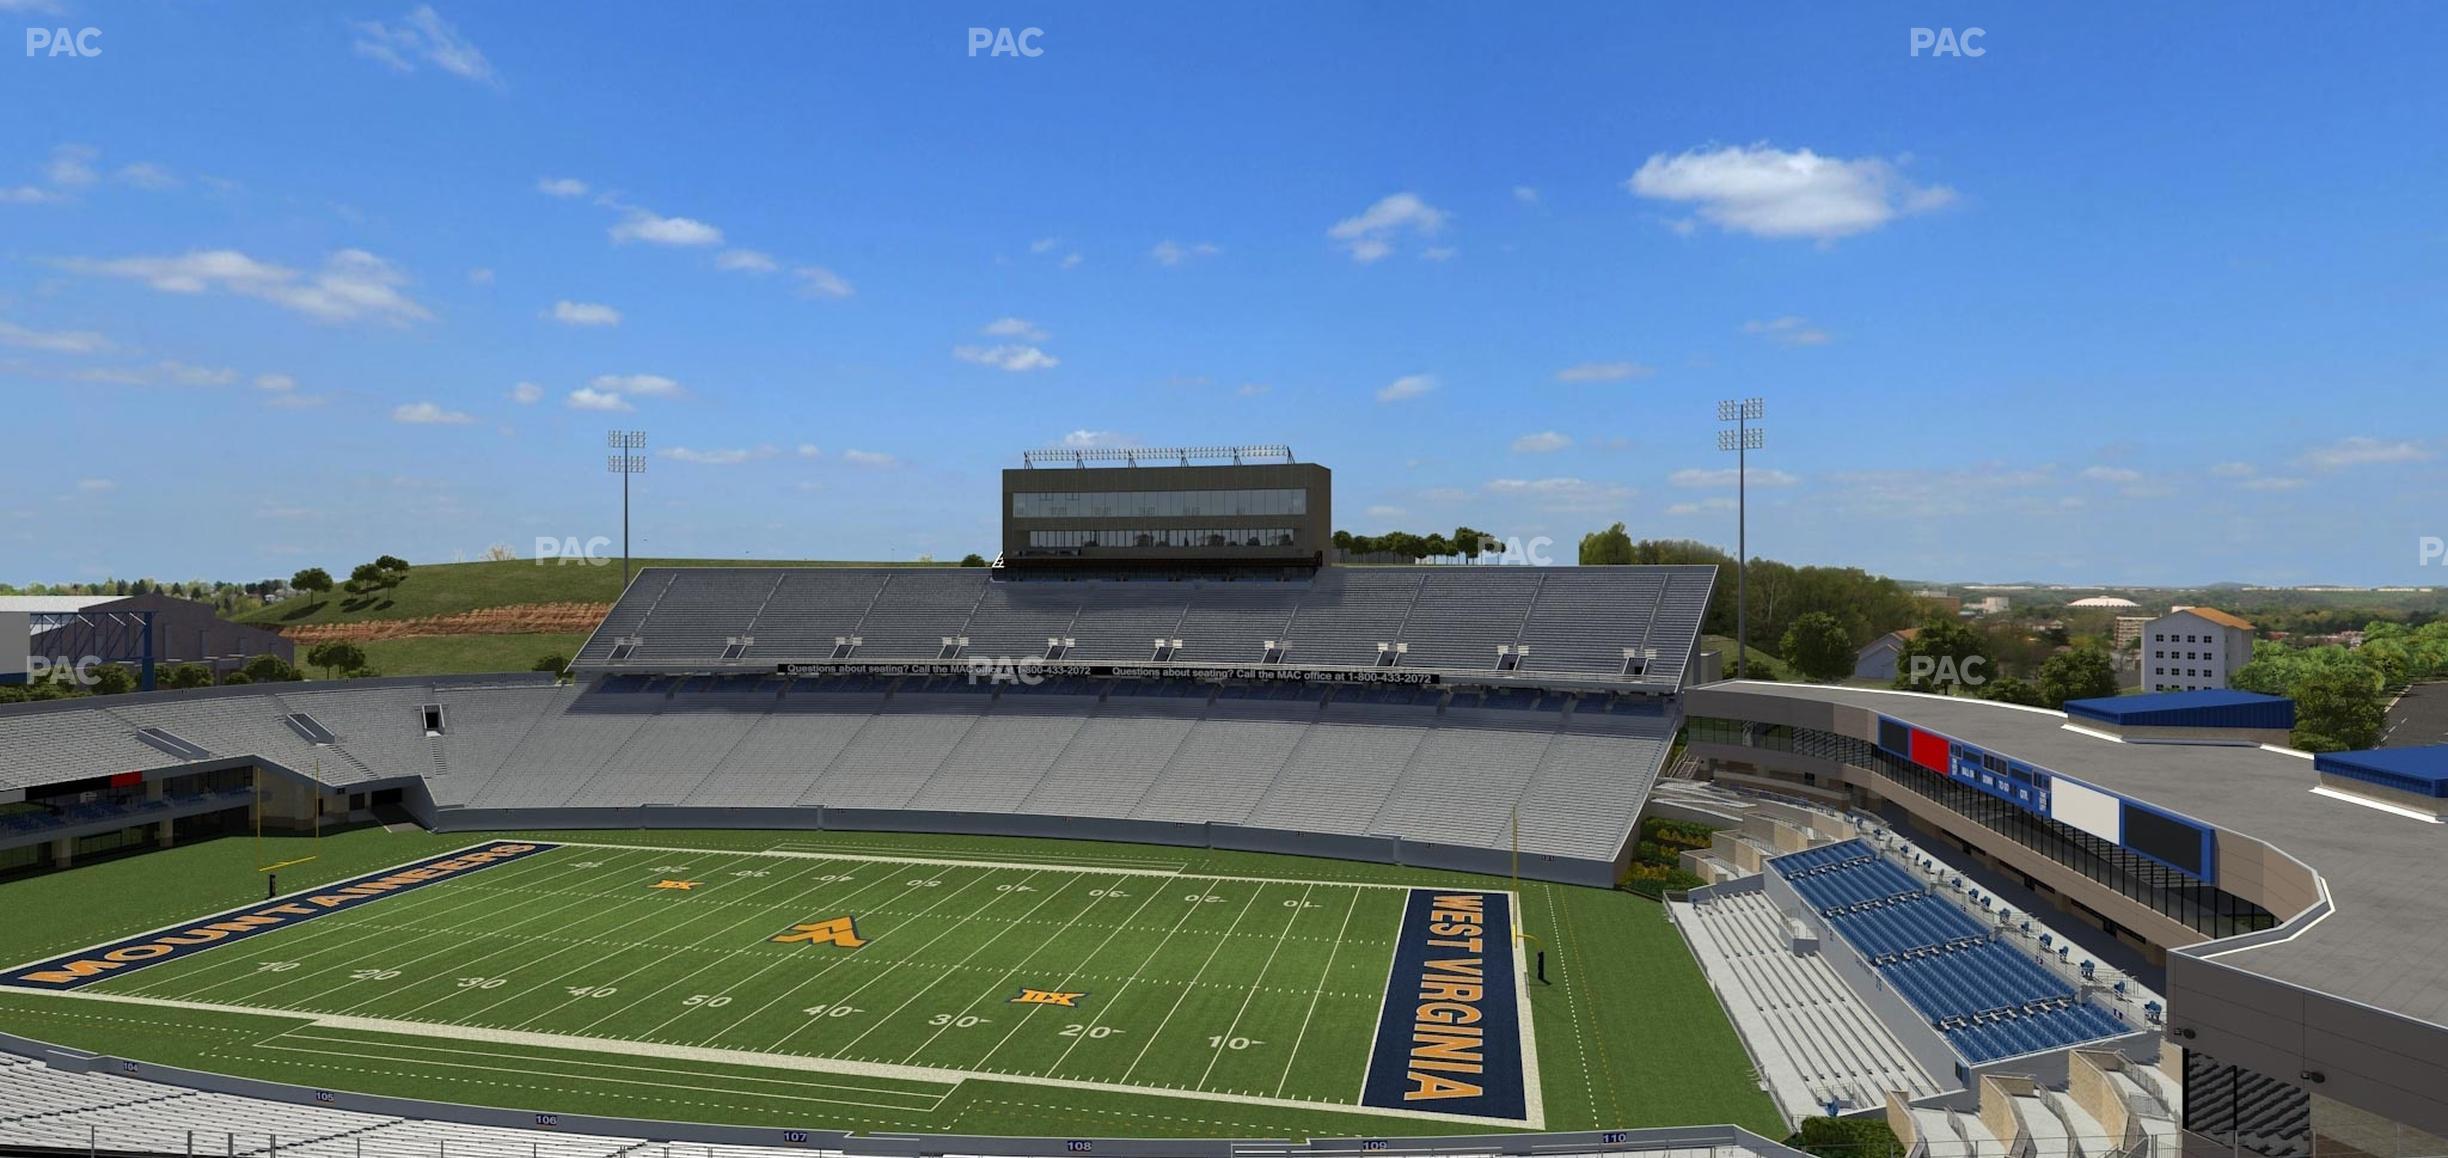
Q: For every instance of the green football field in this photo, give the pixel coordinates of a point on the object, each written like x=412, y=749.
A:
x=870, y=982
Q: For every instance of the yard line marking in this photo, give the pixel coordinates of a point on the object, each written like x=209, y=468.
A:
x=842, y=904
x=336, y=924
x=1191, y=988
x=974, y=950
x=483, y=957
x=1323, y=975
x=955, y=927
x=1187, y=911
x=765, y=913
x=666, y=1083
x=327, y=950
x=800, y=1062
x=1039, y=866
x=557, y=978
x=1073, y=975
x=1255, y=983
x=1005, y=982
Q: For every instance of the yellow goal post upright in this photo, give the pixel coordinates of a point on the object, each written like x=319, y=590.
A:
x=1521, y=934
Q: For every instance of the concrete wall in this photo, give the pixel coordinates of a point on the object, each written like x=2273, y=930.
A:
x=1378, y=849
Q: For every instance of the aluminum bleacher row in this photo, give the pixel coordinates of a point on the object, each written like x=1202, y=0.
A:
x=1558, y=621
x=1985, y=997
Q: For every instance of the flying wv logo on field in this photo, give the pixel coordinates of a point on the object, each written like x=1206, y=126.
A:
x=1449, y=1037
x=86, y=966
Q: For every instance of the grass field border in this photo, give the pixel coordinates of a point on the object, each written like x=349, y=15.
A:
x=952, y=1079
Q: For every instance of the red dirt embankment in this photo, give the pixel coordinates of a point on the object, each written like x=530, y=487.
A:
x=520, y=619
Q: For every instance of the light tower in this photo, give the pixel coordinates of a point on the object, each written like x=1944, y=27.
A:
x=1742, y=440
x=624, y=464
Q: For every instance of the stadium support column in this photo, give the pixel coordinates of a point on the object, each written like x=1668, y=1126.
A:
x=1742, y=440
x=625, y=464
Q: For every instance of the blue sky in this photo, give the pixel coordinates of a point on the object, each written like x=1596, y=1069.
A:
x=2134, y=297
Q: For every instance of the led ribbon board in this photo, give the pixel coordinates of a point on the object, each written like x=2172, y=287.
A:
x=86, y=966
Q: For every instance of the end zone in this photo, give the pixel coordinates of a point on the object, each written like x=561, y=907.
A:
x=1450, y=1034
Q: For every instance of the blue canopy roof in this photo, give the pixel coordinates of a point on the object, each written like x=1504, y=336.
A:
x=2421, y=771
x=2209, y=708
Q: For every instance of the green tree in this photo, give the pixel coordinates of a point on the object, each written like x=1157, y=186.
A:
x=1954, y=657
x=267, y=669
x=1847, y=1138
x=1471, y=543
x=973, y=559
x=313, y=581
x=1608, y=548
x=2010, y=690
x=338, y=655
x=2338, y=706
x=1817, y=647
x=110, y=679
x=185, y=675
x=553, y=662
x=2079, y=673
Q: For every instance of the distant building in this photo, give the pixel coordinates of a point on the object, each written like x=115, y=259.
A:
x=2106, y=603
x=2193, y=648
x=1877, y=661
x=1109, y=510
x=1991, y=605
x=2130, y=628
x=72, y=627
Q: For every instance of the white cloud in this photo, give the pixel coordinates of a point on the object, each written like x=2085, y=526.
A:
x=352, y=284
x=2111, y=474
x=428, y=414
x=1020, y=329
x=1015, y=358
x=1562, y=493
x=95, y=486
x=816, y=281
x=146, y=175
x=2362, y=451
x=2272, y=483
x=717, y=457
x=1170, y=252
x=1690, y=478
x=655, y=229
x=1711, y=503
x=1788, y=331
x=1525, y=194
x=72, y=166
x=870, y=458
x=1372, y=234
x=810, y=450
x=2233, y=470
x=159, y=374
x=1253, y=389
x=1407, y=386
x=1544, y=442
x=275, y=383
x=526, y=393
x=480, y=276
x=639, y=385
x=589, y=398
x=571, y=313
x=746, y=261
x=1769, y=192
x=1097, y=440
x=422, y=35
x=1044, y=244
x=561, y=187
x=1604, y=372
x=26, y=195
x=1071, y=260
x=53, y=341
x=1385, y=512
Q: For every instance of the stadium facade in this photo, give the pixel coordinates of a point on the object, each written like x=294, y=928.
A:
x=2296, y=907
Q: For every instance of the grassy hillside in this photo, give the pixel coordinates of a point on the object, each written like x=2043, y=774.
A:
x=1760, y=661
x=464, y=654
x=434, y=589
